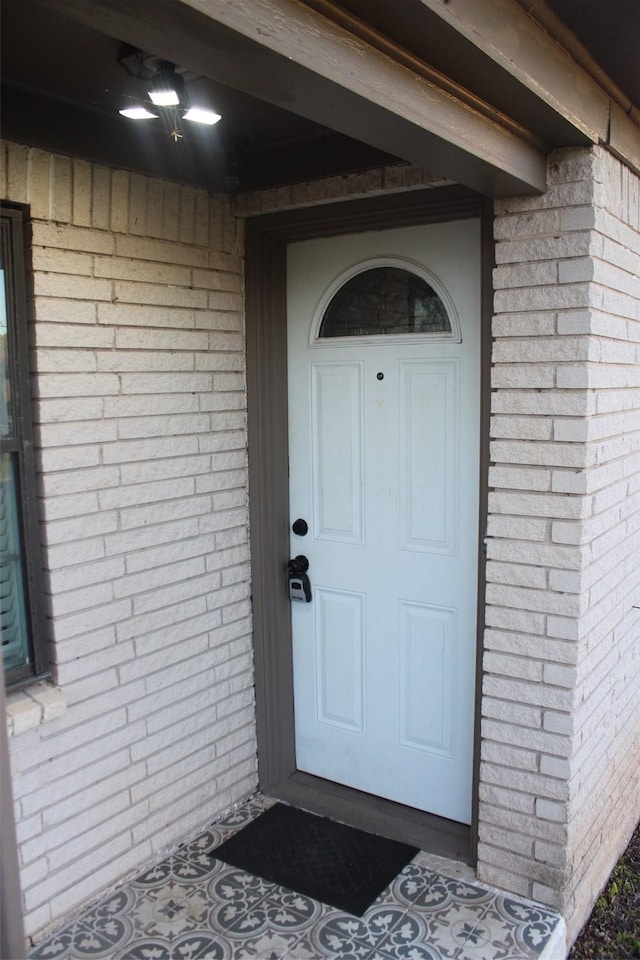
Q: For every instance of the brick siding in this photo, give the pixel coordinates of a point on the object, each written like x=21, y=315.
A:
x=140, y=409
x=140, y=406
x=561, y=716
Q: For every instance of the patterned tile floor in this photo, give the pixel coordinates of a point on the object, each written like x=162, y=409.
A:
x=193, y=907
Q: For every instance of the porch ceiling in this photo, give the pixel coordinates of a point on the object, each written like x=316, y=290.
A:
x=62, y=88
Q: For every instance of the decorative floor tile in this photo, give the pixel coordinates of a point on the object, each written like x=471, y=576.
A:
x=191, y=906
x=446, y=868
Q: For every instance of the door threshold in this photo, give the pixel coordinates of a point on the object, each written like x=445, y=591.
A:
x=428, y=832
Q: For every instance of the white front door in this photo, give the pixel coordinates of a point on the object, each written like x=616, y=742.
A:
x=384, y=469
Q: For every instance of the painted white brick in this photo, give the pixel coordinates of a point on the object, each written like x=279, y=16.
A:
x=165, y=511
x=551, y=810
x=126, y=392
x=532, y=870
x=70, y=554
x=539, y=224
x=545, y=505
x=145, y=362
x=520, y=478
x=558, y=722
x=525, y=275
x=510, y=756
x=516, y=574
x=511, y=619
x=135, y=316
x=576, y=270
x=532, y=740
x=538, y=453
x=59, y=508
x=541, y=647
x=122, y=408
x=541, y=402
x=134, y=427
x=515, y=820
x=517, y=528
x=563, y=628
x=566, y=581
x=527, y=693
x=144, y=627
x=62, y=531
x=555, y=767
x=510, y=666
x=570, y=481
x=140, y=472
x=150, y=536
x=510, y=712
x=74, y=481
x=79, y=385
x=532, y=376
x=579, y=218
x=522, y=598
x=522, y=428
x=99, y=834
x=83, y=599
x=177, y=593
x=149, y=580
x=23, y=713
x=144, y=493
x=152, y=383
x=522, y=551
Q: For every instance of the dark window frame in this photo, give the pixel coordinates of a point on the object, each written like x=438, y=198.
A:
x=13, y=234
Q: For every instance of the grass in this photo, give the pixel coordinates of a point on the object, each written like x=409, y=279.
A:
x=613, y=929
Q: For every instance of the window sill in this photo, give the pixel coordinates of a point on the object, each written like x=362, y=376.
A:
x=29, y=708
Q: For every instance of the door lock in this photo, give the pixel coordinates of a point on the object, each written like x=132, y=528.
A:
x=299, y=583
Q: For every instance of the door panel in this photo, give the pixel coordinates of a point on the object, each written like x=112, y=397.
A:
x=384, y=448
x=427, y=649
x=339, y=633
x=428, y=445
x=337, y=454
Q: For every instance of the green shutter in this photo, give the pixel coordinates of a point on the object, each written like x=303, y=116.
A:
x=13, y=619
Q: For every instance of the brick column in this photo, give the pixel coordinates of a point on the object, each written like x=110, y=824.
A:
x=564, y=473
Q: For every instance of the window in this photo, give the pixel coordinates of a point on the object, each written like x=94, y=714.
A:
x=23, y=644
x=384, y=300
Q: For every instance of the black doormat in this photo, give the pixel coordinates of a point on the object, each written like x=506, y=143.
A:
x=330, y=862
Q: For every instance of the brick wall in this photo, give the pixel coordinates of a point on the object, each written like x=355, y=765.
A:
x=139, y=354
x=139, y=400
x=561, y=714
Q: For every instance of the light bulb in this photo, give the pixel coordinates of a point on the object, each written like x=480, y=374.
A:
x=198, y=115
x=138, y=113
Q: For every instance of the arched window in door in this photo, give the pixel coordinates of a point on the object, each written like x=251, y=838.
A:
x=384, y=300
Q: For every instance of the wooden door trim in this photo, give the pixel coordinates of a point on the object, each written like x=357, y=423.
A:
x=267, y=237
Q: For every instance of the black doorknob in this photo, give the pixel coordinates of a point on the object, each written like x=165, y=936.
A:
x=300, y=527
x=298, y=565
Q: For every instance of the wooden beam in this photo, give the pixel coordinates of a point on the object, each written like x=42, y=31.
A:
x=522, y=37
x=506, y=34
x=380, y=100
x=624, y=138
x=285, y=53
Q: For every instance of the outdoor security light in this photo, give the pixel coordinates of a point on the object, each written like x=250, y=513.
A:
x=198, y=115
x=167, y=88
x=138, y=113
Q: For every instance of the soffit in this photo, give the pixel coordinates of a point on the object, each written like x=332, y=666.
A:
x=62, y=88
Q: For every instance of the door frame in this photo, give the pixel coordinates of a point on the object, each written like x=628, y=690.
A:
x=267, y=237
